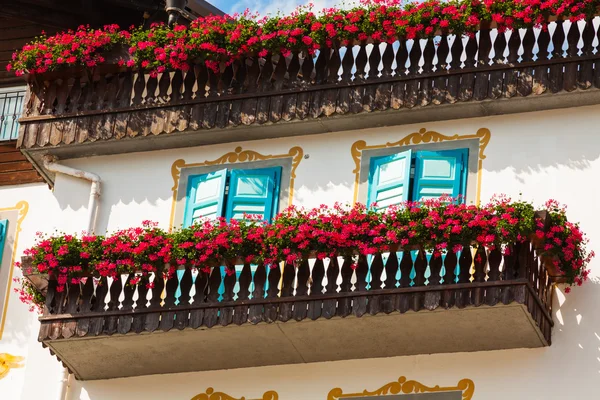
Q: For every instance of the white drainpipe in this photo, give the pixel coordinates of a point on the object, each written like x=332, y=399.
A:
x=51, y=165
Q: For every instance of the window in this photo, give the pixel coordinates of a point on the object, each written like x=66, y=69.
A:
x=417, y=175
x=233, y=194
x=11, y=106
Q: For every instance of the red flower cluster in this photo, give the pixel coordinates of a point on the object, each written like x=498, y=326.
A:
x=81, y=47
x=439, y=226
x=222, y=39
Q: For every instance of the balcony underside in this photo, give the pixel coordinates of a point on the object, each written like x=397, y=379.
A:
x=383, y=335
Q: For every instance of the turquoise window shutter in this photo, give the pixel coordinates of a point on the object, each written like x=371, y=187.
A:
x=440, y=173
x=389, y=178
x=3, y=235
x=253, y=192
x=205, y=196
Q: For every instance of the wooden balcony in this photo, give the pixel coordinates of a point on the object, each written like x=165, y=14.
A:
x=77, y=113
x=316, y=311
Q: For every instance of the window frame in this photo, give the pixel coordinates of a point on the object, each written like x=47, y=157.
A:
x=4, y=91
x=472, y=165
x=285, y=181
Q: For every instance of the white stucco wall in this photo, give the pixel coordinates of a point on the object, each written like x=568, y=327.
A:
x=552, y=154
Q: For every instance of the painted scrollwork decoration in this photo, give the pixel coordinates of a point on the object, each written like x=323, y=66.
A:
x=210, y=394
x=404, y=386
x=8, y=362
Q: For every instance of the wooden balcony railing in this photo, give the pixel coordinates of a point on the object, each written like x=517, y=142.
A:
x=384, y=283
x=81, y=107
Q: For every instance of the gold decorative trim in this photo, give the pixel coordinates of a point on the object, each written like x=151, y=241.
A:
x=212, y=395
x=423, y=136
x=23, y=208
x=403, y=386
x=238, y=155
x=8, y=362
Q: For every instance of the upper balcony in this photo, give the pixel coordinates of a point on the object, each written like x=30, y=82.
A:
x=78, y=113
x=390, y=304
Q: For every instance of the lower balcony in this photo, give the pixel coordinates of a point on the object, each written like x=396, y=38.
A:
x=390, y=304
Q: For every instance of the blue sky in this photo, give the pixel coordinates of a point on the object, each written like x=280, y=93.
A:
x=269, y=6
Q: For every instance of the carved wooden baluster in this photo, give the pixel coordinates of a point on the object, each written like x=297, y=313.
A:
x=383, y=93
x=480, y=90
x=139, y=320
x=58, y=129
x=406, y=265
x=374, y=302
x=359, y=303
x=151, y=86
x=467, y=82
x=210, y=108
x=450, y=263
x=492, y=295
x=167, y=317
x=43, y=135
x=264, y=86
x=520, y=292
x=276, y=102
x=439, y=92
x=345, y=304
x=106, y=122
x=509, y=273
x=124, y=322
x=455, y=65
x=138, y=88
x=316, y=289
x=525, y=81
x=201, y=287
x=512, y=75
x=345, y=94
x=87, y=294
x=316, y=100
x=75, y=95
x=369, y=91
x=535, y=283
x=214, y=282
x=45, y=326
x=177, y=117
x=330, y=96
x=68, y=329
x=135, y=122
x=123, y=98
x=290, y=100
x=229, y=281
x=97, y=323
x=556, y=70
x=152, y=319
x=224, y=89
x=237, y=87
x=333, y=270
x=496, y=84
x=540, y=74
x=357, y=92
x=432, y=299
x=189, y=81
x=412, y=86
x=300, y=307
x=287, y=292
x=257, y=311
x=197, y=110
x=388, y=302
x=425, y=90
x=570, y=73
x=399, y=88
x=597, y=65
x=271, y=309
x=58, y=308
x=586, y=71
x=480, y=263
x=303, y=103
x=250, y=86
x=419, y=281
x=240, y=313
x=463, y=297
